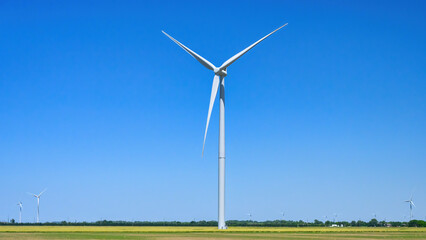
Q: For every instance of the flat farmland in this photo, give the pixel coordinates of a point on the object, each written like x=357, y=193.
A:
x=198, y=233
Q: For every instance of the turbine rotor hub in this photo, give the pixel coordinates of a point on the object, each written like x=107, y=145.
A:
x=220, y=72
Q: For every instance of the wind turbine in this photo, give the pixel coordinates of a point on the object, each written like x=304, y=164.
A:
x=20, y=212
x=283, y=213
x=411, y=206
x=374, y=215
x=219, y=79
x=38, y=203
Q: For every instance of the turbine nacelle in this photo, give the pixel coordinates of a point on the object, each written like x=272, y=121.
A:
x=220, y=72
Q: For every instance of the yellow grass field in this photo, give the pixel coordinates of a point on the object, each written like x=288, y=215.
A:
x=198, y=233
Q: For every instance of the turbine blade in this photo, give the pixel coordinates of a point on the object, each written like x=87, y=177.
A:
x=413, y=203
x=215, y=87
x=238, y=55
x=32, y=194
x=42, y=192
x=200, y=59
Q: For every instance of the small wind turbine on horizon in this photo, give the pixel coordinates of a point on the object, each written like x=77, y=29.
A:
x=219, y=80
x=411, y=206
x=38, y=203
x=374, y=215
x=282, y=214
x=249, y=214
x=20, y=211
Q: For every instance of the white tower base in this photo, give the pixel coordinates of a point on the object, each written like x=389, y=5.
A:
x=221, y=182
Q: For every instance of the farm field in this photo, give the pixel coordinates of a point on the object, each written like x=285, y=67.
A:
x=199, y=233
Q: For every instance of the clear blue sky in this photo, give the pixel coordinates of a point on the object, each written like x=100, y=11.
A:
x=326, y=116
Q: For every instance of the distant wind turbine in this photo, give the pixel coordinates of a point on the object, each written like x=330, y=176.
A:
x=219, y=79
x=374, y=215
x=20, y=212
x=249, y=214
x=38, y=203
x=411, y=206
x=283, y=213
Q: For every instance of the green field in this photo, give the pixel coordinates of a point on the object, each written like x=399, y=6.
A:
x=198, y=233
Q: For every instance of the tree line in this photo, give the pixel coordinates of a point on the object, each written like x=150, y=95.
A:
x=234, y=223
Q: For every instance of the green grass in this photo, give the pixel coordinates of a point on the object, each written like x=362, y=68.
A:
x=199, y=233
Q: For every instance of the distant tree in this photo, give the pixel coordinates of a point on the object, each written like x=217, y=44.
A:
x=12, y=221
x=345, y=223
x=318, y=223
x=360, y=223
x=373, y=222
x=417, y=223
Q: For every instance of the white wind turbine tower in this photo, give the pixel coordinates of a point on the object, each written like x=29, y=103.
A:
x=20, y=212
x=219, y=79
x=38, y=203
x=411, y=206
